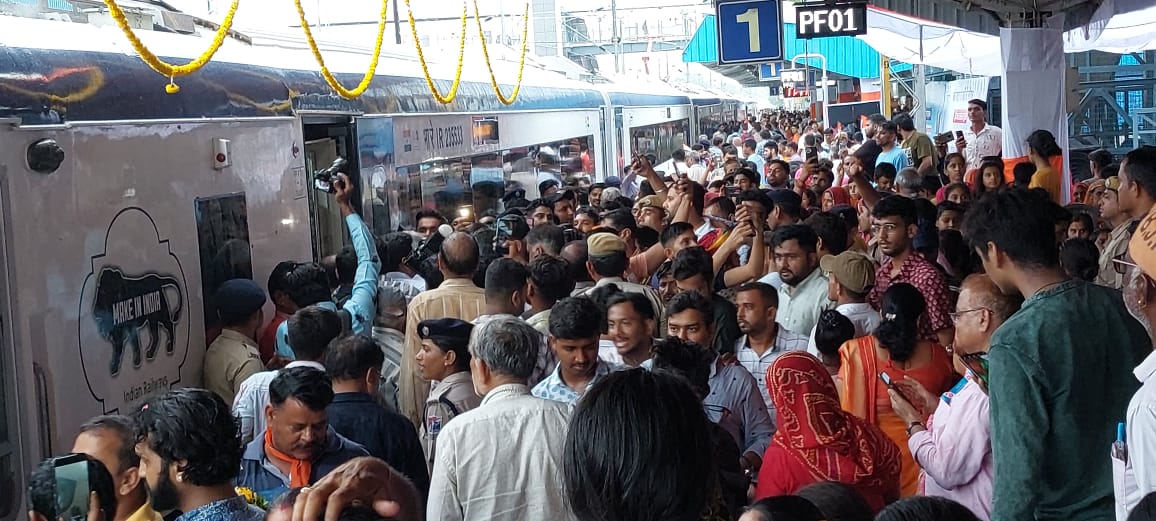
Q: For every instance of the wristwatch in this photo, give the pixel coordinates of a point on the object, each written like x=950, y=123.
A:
x=913, y=425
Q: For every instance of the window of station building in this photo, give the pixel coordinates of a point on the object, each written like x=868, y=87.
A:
x=223, y=241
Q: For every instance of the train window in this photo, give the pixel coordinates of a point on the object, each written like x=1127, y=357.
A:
x=329, y=231
x=661, y=139
x=474, y=186
x=223, y=239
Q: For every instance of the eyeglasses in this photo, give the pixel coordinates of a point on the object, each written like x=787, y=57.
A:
x=1121, y=263
x=955, y=316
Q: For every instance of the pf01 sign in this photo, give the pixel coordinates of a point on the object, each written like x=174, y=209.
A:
x=821, y=20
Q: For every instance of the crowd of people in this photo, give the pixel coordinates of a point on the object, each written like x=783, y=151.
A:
x=846, y=324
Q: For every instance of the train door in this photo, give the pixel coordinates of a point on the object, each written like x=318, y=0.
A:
x=326, y=139
x=11, y=475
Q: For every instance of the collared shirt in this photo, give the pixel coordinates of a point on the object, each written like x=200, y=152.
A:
x=956, y=453
x=145, y=513
x=1117, y=246
x=546, y=357
x=862, y=316
x=447, y=399
x=987, y=142
x=409, y=286
x=502, y=461
x=735, y=405
x=385, y=435
x=702, y=230
x=232, y=509
x=540, y=321
x=362, y=303
x=1059, y=377
x=454, y=298
x=249, y=404
x=231, y=359
x=264, y=478
x=930, y=282
x=1139, y=477
x=757, y=365
x=554, y=388
x=800, y=306
x=392, y=344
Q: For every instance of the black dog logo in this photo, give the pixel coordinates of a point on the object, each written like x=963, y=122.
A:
x=124, y=305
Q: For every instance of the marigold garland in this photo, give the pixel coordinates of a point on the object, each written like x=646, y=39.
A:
x=521, y=62
x=453, y=93
x=329, y=78
x=159, y=65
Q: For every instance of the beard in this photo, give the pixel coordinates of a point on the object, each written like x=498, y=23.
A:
x=164, y=497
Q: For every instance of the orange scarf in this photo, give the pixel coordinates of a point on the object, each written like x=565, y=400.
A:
x=299, y=471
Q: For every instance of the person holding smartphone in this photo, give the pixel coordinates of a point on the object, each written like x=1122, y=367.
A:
x=979, y=140
x=74, y=487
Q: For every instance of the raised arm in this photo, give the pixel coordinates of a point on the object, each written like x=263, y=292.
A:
x=363, y=301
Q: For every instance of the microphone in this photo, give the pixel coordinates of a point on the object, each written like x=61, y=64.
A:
x=445, y=230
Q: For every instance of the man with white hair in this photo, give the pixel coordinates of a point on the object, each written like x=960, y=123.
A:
x=388, y=331
x=486, y=456
x=696, y=170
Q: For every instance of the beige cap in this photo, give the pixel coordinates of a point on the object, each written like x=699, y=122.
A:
x=852, y=270
x=601, y=244
x=650, y=201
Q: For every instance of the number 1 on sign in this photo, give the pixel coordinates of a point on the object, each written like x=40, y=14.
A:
x=751, y=18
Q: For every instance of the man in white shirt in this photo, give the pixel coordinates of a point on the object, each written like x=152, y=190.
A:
x=980, y=140
x=803, y=293
x=488, y=457
x=850, y=275
x=393, y=249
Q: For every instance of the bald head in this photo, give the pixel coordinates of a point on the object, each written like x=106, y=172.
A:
x=575, y=254
x=459, y=256
x=978, y=291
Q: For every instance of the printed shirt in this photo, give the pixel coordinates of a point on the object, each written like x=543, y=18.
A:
x=930, y=282
x=1117, y=246
x=987, y=142
x=547, y=359
x=232, y=509
x=785, y=340
x=918, y=146
x=553, y=388
x=409, y=286
x=735, y=405
x=362, y=303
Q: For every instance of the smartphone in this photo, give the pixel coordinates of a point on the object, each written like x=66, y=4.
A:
x=71, y=490
x=886, y=380
x=811, y=154
x=958, y=134
x=944, y=137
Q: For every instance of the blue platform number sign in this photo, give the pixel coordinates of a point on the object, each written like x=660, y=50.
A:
x=749, y=31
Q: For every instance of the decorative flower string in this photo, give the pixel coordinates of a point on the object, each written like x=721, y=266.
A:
x=521, y=62
x=453, y=93
x=159, y=65
x=329, y=78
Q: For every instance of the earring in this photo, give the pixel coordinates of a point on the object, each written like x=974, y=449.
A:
x=180, y=478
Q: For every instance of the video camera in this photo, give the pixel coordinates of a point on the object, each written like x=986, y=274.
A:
x=326, y=179
x=423, y=258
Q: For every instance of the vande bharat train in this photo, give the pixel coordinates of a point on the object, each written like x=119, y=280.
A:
x=122, y=207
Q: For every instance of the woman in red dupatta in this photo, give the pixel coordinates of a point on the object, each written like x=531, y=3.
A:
x=817, y=441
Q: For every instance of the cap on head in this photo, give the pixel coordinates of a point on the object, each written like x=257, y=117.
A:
x=447, y=328
x=854, y=271
x=650, y=201
x=237, y=299
x=601, y=244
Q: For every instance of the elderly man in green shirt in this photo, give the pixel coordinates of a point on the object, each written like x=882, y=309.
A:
x=1059, y=369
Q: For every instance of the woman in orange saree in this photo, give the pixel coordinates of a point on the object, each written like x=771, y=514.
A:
x=894, y=350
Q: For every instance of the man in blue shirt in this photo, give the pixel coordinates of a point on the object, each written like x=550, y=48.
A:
x=885, y=137
x=298, y=446
x=308, y=285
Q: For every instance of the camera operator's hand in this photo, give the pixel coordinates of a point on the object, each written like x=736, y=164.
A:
x=343, y=192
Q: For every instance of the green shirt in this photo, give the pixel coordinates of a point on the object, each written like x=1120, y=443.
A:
x=1060, y=378
x=918, y=146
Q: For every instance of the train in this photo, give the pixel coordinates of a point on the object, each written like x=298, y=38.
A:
x=123, y=207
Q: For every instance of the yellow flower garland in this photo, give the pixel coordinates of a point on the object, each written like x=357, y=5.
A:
x=329, y=78
x=453, y=93
x=521, y=63
x=162, y=67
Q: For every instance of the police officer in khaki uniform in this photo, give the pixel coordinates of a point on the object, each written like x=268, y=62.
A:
x=444, y=360
x=234, y=356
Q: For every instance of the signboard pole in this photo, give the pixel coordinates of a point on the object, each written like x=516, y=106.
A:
x=822, y=81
